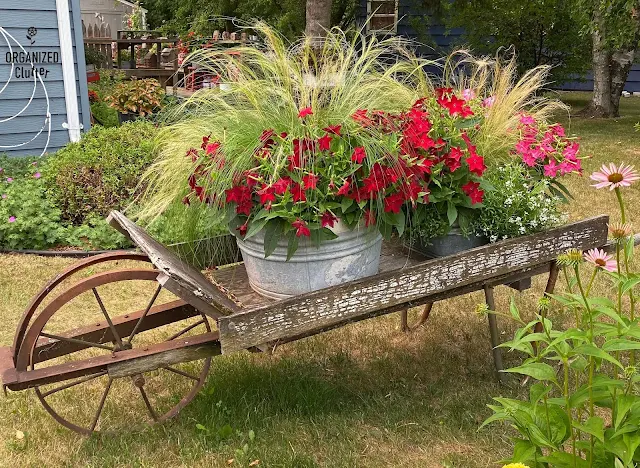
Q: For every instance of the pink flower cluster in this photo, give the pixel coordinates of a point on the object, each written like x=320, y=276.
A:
x=547, y=148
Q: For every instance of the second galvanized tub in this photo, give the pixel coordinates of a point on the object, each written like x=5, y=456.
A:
x=352, y=255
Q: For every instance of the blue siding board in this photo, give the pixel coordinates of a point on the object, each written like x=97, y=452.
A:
x=42, y=14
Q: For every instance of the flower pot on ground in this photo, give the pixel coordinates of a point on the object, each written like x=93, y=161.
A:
x=122, y=118
x=353, y=254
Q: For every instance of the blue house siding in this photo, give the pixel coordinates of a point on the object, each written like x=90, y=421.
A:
x=439, y=41
x=21, y=132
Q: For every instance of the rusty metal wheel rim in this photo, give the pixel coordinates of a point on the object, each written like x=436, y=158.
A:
x=30, y=310
x=25, y=357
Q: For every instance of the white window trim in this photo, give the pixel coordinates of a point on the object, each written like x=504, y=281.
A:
x=372, y=14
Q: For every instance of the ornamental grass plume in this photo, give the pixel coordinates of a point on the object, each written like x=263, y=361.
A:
x=269, y=87
x=506, y=95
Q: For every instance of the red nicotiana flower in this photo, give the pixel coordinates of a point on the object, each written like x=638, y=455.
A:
x=456, y=106
x=281, y=185
x=212, y=148
x=324, y=142
x=476, y=164
x=298, y=193
x=305, y=112
x=472, y=189
x=393, y=203
x=310, y=181
x=193, y=154
x=295, y=161
x=242, y=229
x=412, y=190
x=328, y=219
x=267, y=194
x=376, y=180
x=205, y=141
x=358, y=155
x=344, y=189
x=333, y=129
x=301, y=228
x=361, y=117
x=186, y=200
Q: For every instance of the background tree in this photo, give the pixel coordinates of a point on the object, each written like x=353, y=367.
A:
x=614, y=28
x=205, y=16
x=542, y=32
x=318, y=17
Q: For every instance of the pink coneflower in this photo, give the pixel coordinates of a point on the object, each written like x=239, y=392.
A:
x=4, y=195
x=614, y=176
x=37, y=175
x=601, y=259
x=12, y=219
x=9, y=179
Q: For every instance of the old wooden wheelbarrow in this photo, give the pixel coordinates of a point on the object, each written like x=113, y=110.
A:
x=165, y=349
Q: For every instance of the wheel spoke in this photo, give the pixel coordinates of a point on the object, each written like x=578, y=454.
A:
x=146, y=311
x=148, y=404
x=190, y=327
x=114, y=332
x=102, y=401
x=73, y=384
x=88, y=344
x=182, y=373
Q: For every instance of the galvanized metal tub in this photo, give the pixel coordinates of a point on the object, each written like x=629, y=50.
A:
x=352, y=255
x=452, y=242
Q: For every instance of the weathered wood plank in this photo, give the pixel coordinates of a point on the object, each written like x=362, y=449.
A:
x=388, y=292
x=184, y=276
x=167, y=358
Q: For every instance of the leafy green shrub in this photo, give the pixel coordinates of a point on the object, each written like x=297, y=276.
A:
x=101, y=172
x=28, y=219
x=517, y=206
x=15, y=167
x=96, y=234
x=105, y=115
x=108, y=80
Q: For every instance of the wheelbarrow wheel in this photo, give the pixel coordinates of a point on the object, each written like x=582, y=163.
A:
x=81, y=325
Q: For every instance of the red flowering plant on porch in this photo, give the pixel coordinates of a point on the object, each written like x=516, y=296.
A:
x=301, y=186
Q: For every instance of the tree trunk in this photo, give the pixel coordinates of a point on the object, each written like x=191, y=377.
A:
x=621, y=63
x=600, y=105
x=318, y=18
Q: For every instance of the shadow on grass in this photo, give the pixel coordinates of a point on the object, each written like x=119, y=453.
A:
x=321, y=401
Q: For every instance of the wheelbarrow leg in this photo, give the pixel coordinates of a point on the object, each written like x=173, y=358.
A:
x=495, y=335
x=551, y=284
x=404, y=318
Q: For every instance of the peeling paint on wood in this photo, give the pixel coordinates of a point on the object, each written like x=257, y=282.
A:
x=388, y=292
x=179, y=277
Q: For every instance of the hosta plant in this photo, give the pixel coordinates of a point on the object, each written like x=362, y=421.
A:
x=583, y=408
x=141, y=97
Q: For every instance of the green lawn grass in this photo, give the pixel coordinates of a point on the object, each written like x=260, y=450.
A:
x=365, y=395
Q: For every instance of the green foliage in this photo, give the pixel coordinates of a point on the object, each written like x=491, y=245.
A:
x=101, y=172
x=28, y=219
x=518, y=205
x=104, y=115
x=94, y=57
x=203, y=17
x=542, y=32
x=141, y=97
x=584, y=409
x=108, y=80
